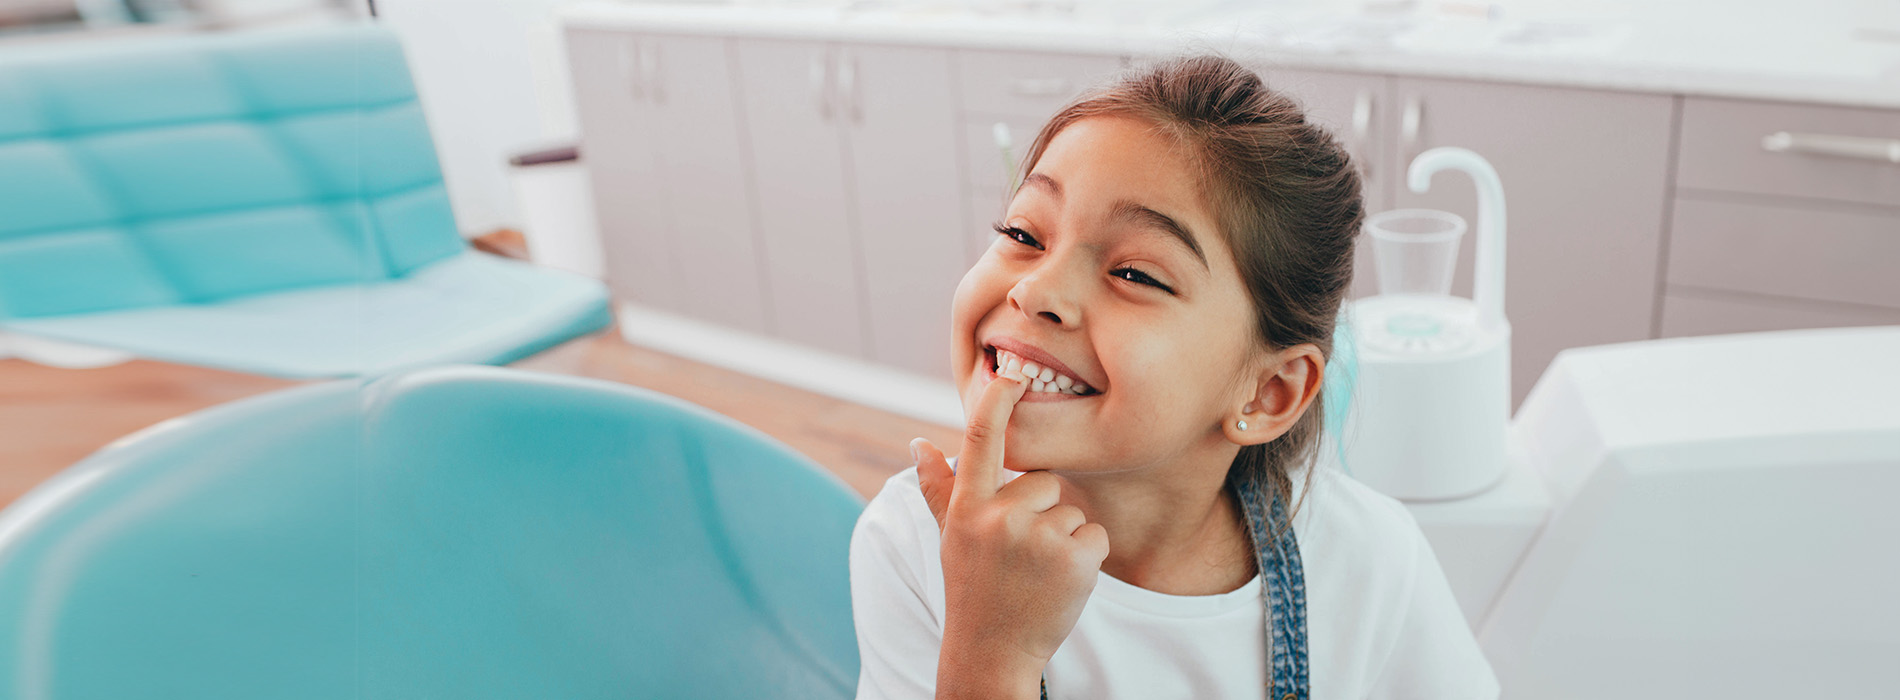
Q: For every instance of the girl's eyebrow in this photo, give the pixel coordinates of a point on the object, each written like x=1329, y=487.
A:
x=1152, y=220
x=1129, y=211
x=1047, y=183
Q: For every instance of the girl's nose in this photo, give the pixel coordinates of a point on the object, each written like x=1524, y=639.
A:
x=1048, y=293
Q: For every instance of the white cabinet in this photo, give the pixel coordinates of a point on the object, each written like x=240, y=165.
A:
x=629, y=201
x=801, y=188
x=809, y=190
x=1775, y=233
x=903, y=156
x=669, y=173
x=854, y=155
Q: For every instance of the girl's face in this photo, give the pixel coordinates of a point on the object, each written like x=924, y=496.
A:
x=1109, y=267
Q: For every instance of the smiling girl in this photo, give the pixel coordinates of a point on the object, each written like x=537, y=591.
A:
x=1140, y=354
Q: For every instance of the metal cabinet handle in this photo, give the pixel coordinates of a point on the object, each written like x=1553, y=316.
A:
x=630, y=70
x=1855, y=147
x=1039, y=87
x=650, y=69
x=848, y=86
x=1362, y=130
x=1410, y=123
x=820, y=91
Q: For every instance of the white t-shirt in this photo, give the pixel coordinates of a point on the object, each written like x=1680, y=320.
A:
x=1381, y=620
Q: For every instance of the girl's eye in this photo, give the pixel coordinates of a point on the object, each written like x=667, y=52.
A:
x=1139, y=277
x=1017, y=235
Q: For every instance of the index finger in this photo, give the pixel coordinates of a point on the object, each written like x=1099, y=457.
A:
x=981, y=462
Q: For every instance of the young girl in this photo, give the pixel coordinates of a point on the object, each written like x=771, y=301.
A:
x=1140, y=355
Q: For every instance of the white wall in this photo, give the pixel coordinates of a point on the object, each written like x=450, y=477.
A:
x=493, y=81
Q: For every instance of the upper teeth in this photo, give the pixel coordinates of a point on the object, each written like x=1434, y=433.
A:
x=1040, y=378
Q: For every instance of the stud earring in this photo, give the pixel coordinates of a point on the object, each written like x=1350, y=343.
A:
x=1240, y=424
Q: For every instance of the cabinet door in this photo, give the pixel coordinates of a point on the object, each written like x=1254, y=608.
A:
x=1585, y=176
x=616, y=145
x=794, y=131
x=903, y=159
x=696, y=135
x=1352, y=107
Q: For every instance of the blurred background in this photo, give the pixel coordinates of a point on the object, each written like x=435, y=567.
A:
x=763, y=207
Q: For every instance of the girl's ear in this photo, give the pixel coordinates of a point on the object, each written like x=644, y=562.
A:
x=1282, y=391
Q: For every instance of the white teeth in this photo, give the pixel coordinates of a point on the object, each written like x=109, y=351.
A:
x=1041, y=379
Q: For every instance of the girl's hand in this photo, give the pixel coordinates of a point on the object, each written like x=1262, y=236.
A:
x=1017, y=566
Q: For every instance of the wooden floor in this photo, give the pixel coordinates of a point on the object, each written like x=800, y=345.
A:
x=51, y=418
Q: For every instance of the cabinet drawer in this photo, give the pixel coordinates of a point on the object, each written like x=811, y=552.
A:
x=1808, y=253
x=1028, y=85
x=1692, y=312
x=1722, y=149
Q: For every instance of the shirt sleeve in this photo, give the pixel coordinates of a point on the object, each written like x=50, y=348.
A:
x=1435, y=656
x=899, y=636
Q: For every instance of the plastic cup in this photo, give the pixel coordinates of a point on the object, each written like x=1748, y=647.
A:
x=1415, y=251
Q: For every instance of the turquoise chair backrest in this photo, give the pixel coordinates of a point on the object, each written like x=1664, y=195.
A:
x=452, y=533
x=197, y=168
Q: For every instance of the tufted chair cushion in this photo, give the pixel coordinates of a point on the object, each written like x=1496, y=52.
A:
x=198, y=169
x=265, y=202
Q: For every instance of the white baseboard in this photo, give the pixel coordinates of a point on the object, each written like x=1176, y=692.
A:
x=848, y=378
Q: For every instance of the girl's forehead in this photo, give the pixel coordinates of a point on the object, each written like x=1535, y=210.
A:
x=1115, y=151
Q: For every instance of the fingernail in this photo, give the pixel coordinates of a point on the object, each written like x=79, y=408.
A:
x=916, y=455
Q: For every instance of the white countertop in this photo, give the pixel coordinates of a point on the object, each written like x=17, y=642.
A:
x=1840, y=52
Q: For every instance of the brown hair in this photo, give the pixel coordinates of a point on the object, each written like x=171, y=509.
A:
x=1286, y=197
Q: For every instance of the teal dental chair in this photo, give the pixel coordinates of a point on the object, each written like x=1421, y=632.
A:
x=454, y=532
x=267, y=202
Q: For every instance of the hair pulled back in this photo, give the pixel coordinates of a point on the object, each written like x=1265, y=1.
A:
x=1284, y=193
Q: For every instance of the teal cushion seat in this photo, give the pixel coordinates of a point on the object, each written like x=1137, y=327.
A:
x=472, y=308
x=195, y=176
x=455, y=532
